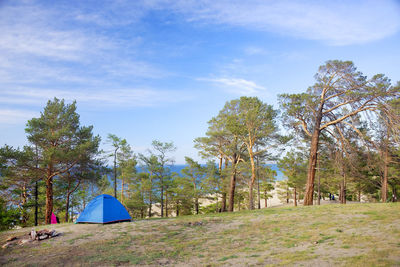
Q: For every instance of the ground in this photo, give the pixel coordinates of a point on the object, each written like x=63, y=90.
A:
x=329, y=235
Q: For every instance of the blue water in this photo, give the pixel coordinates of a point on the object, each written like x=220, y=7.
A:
x=178, y=168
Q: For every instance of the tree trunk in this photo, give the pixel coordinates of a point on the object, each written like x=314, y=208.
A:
x=394, y=193
x=385, y=176
x=224, y=194
x=265, y=198
x=295, y=197
x=343, y=201
x=253, y=178
x=197, y=205
x=251, y=199
x=319, y=183
x=258, y=186
x=232, y=185
x=162, y=197
x=24, y=199
x=36, y=187
x=115, y=173
x=36, y=202
x=223, y=202
x=309, y=194
x=67, y=207
x=177, y=208
x=166, y=204
x=216, y=203
x=68, y=198
x=150, y=195
x=49, y=199
x=287, y=195
x=122, y=189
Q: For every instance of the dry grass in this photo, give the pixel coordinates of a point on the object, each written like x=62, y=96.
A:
x=349, y=235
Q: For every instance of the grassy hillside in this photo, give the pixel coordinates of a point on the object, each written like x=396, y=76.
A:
x=330, y=235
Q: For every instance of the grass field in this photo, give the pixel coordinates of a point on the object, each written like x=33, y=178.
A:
x=329, y=235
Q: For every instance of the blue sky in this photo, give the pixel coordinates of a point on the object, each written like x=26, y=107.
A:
x=160, y=69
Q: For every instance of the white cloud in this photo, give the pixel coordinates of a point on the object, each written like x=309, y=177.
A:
x=43, y=44
x=238, y=86
x=98, y=98
x=15, y=116
x=335, y=22
x=255, y=51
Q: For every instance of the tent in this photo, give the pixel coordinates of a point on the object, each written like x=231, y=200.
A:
x=104, y=209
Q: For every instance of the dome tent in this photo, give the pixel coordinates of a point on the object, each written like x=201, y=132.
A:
x=104, y=209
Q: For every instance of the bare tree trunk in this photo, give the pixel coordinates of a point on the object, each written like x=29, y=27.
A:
x=49, y=200
x=115, y=173
x=295, y=197
x=253, y=178
x=309, y=194
x=69, y=192
x=265, y=198
x=287, y=195
x=166, y=203
x=232, y=185
x=67, y=207
x=216, y=203
x=122, y=189
x=24, y=196
x=344, y=189
x=150, y=194
x=36, y=202
x=197, y=205
x=251, y=194
x=177, y=208
x=385, y=176
x=319, y=184
x=258, y=186
x=394, y=193
x=223, y=202
x=36, y=187
x=162, y=196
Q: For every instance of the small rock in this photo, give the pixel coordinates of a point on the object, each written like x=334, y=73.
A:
x=11, y=238
x=42, y=237
x=6, y=245
x=33, y=234
x=54, y=234
x=316, y=242
x=24, y=241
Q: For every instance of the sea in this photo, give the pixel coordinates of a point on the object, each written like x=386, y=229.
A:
x=178, y=168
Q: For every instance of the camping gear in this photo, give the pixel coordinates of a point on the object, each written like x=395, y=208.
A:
x=104, y=209
x=53, y=219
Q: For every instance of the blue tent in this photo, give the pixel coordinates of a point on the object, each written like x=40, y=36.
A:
x=104, y=209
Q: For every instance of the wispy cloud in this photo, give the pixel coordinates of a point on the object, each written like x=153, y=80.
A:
x=335, y=22
x=98, y=98
x=237, y=86
x=42, y=44
x=253, y=51
x=16, y=116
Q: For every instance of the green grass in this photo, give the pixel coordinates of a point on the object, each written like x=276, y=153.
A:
x=349, y=235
